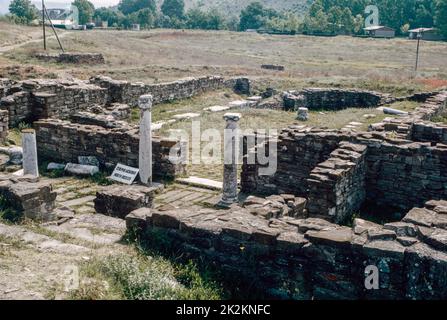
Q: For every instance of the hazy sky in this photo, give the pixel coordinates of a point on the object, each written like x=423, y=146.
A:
x=4, y=4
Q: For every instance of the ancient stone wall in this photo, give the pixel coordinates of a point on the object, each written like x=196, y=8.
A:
x=300, y=149
x=64, y=141
x=18, y=106
x=337, y=185
x=4, y=122
x=399, y=174
x=402, y=127
x=407, y=175
x=333, y=99
x=429, y=131
x=126, y=92
x=37, y=99
x=291, y=258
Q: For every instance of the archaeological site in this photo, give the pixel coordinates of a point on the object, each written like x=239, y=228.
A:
x=141, y=163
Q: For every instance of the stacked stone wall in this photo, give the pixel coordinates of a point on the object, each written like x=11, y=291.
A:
x=4, y=123
x=127, y=92
x=399, y=174
x=64, y=141
x=337, y=185
x=38, y=99
x=333, y=99
x=290, y=258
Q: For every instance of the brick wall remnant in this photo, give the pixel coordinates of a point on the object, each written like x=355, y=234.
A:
x=63, y=141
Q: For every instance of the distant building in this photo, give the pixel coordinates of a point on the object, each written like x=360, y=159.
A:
x=429, y=34
x=61, y=18
x=380, y=32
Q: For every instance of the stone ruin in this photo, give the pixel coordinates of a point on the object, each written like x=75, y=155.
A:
x=72, y=57
x=297, y=242
x=294, y=235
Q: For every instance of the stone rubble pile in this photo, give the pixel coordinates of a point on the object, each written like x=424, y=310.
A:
x=276, y=206
x=72, y=57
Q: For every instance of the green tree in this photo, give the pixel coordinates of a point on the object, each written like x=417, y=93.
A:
x=24, y=10
x=358, y=24
x=113, y=17
x=255, y=16
x=131, y=6
x=173, y=8
x=317, y=24
x=441, y=16
x=86, y=10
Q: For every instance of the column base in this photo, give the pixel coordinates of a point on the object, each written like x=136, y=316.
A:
x=226, y=203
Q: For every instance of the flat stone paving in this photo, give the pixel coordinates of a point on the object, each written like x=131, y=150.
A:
x=33, y=257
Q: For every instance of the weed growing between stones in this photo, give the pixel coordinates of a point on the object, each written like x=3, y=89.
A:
x=53, y=174
x=7, y=212
x=101, y=179
x=138, y=277
x=195, y=271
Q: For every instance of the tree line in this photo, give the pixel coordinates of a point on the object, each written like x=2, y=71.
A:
x=323, y=16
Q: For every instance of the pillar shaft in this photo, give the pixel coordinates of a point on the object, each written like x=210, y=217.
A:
x=29, y=145
x=231, y=143
x=145, y=148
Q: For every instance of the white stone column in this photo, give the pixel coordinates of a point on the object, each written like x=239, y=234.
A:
x=29, y=145
x=145, y=151
x=231, y=153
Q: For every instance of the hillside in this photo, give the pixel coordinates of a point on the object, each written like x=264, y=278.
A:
x=234, y=7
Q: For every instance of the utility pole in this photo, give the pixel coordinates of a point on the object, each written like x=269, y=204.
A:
x=43, y=27
x=417, y=50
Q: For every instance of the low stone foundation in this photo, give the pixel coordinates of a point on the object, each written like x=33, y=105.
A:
x=72, y=57
x=63, y=141
x=333, y=99
x=290, y=258
x=119, y=201
x=128, y=93
x=30, y=197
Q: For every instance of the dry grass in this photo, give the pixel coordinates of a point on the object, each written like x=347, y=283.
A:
x=159, y=55
x=11, y=34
